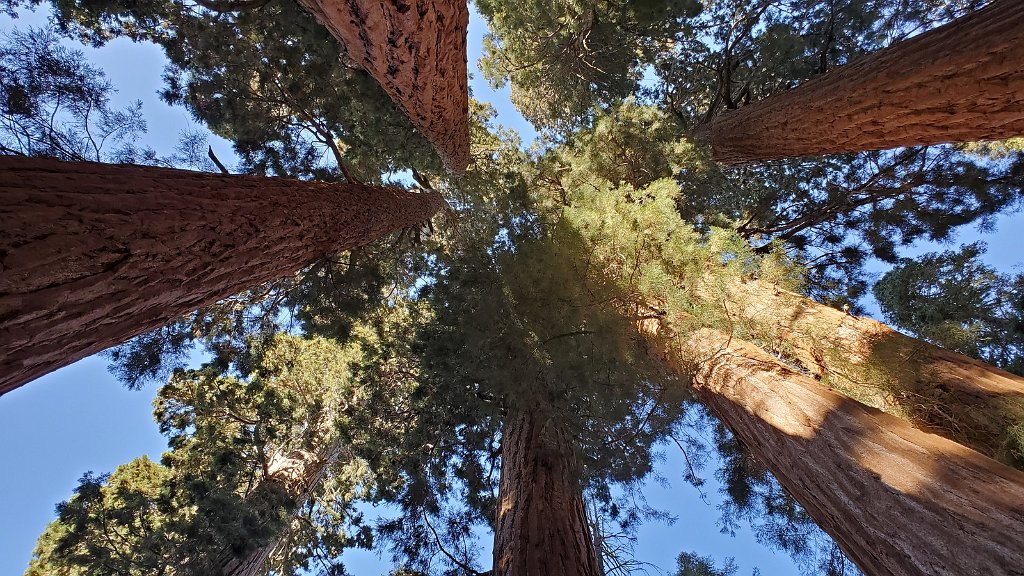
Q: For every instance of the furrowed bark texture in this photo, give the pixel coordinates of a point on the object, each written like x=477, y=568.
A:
x=94, y=254
x=416, y=50
x=960, y=82
x=897, y=500
x=940, y=391
x=542, y=526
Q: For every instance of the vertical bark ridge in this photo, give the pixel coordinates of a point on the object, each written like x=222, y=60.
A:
x=94, y=254
x=897, y=500
x=960, y=82
x=542, y=527
x=416, y=50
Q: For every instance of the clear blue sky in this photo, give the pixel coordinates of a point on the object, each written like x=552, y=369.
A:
x=79, y=419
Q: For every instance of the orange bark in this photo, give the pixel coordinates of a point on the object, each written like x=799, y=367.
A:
x=897, y=500
x=943, y=392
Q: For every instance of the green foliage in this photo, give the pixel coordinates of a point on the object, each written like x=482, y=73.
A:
x=690, y=564
x=53, y=103
x=254, y=461
x=563, y=58
x=956, y=301
x=282, y=93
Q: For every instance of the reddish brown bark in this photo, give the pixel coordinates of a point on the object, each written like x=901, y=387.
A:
x=959, y=82
x=416, y=49
x=93, y=254
x=897, y=500
x=943, y=392
x=542, y=527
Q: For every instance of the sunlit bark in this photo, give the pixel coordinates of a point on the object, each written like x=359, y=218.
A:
x=542, y=527
x=943, y=392
x=897, y=500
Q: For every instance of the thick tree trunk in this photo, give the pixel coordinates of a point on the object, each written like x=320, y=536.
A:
x=542, y=527
x=897, y=500
x=940, y=391
x=959, y=82
x=416, y=49
x=94, y=254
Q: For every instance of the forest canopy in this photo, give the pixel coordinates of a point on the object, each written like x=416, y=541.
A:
x=417, y=394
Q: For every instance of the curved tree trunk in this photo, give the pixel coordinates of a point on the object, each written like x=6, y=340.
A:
x=542, y=527
x=940, y=391
x=960, y=82
x=94, y=254
x=416, y=50
x=897, y=500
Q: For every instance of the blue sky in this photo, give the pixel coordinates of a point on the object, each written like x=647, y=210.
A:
x=79, y=419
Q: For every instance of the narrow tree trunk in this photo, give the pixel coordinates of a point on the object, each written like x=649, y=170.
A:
x=897, y=500
x=940, y=391
x=298, y=473
x=959, y=82
x=542, y=527
x=93, y=254
x=416, y=50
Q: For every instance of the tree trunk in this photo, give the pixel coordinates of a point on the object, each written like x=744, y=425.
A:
x=940, y=391
x=960, y=82
x=542, y=526
x=298, y=473
x=94, y=254
x=897, y=500
x=416, y=50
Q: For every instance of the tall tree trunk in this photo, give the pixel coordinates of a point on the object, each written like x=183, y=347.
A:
x=897, y=500
x=940, y=391
x=959, y=82
x=94, y=254
x=542, y=526
x=416, y=50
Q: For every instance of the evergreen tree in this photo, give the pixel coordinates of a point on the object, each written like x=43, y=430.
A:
x=958, y=302
x=261, y=470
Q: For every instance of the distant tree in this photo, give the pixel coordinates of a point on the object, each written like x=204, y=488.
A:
x=690, y=564
x=955, y=300
x=260, y=476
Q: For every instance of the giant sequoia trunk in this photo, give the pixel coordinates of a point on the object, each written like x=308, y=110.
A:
x=542, y=527
x=416, y=50
x=897, y=500
x=94, y=254
x=959, y=82
x=943, y=392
